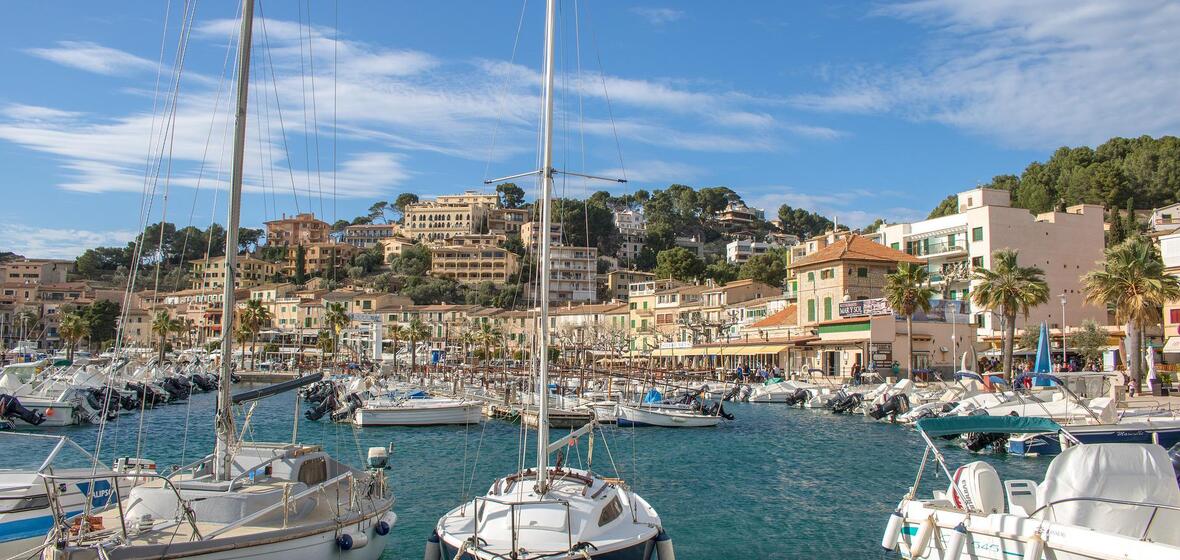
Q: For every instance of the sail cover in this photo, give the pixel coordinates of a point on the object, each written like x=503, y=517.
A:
x=950, y=425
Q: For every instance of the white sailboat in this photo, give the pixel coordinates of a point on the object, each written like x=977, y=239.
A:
x=271, y=501
x=550, y=512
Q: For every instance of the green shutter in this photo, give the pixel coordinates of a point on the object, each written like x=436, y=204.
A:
x=811, y=310
x=977, y=234
x=827, y=309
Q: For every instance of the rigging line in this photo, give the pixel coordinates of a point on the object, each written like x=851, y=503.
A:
x=303, y=92
x=264, y=101
x=278, y=107
x=581, y=120
x=606, y=94
x=503, y=99
x=258, y=130
x=315, y=121
x=335, y=81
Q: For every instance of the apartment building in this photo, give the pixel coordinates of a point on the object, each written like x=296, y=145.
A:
x=367, y=236
x=392, y=247
x=320, y=258
x=507, y=221
x=300, y=229
x=739, y=251
x=473, y=259
x=210, y=274
x=738, y=216
x=34, y=271
x=446, y=216
x=1065, y=245
x=573, y=274
x=529, y=235
x=618, y=282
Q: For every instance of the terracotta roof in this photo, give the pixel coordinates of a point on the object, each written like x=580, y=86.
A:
x=855, y=248
x=788, y=317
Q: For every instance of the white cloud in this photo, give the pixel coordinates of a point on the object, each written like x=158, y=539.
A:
x=1035, y=75
x=845, y=206
x=93, y=57
x=817, y=132
x=49, y=243
x=655, y=171
x=658, y=16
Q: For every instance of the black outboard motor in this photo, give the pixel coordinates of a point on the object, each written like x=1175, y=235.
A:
x=10, y=407
x=177, y=386
x=234, y=377
x=147, y=395
x=203, y=382
x=103, y=400
x=328, y=404
x=897, y=404
x=128, y=401
x=847, y=403
x=980, y=441
x=351, y=402
x=799, y=397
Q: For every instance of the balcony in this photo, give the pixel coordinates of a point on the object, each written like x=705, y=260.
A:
x=942, y=249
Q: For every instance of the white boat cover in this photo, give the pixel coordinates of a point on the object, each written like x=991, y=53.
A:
x=1132, y=472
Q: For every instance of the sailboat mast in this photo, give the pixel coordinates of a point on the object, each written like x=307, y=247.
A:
x=225, y=419
x=543, y=261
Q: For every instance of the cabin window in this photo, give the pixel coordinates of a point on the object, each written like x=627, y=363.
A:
x=23, y=503
x=610, y=511
x=313, y=471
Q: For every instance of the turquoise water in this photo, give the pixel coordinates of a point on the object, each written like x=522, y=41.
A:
x=776, y=483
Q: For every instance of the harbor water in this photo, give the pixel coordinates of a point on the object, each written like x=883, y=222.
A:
x=777, y=482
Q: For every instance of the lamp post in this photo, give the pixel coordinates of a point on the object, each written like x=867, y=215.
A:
x=1064, y=355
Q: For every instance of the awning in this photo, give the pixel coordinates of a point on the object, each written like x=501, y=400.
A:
x=1172, y=346
x=949, y=425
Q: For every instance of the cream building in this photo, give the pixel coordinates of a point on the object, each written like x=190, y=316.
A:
x=367, y=236
x=573, y=274
x=470, y=262
x=250, y=272
x=446, y=216
x=300, y=229
x=1065, y=245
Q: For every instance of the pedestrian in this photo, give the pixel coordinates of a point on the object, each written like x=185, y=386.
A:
x=856, y=373
x=896, y=369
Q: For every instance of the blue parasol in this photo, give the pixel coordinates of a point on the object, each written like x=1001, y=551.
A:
x=1044, y=363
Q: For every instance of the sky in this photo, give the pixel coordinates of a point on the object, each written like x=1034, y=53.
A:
x=117, y=114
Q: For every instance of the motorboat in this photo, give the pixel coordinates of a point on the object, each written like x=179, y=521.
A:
x=424, y=411
x=666, y=418
x=1161, y=429
x=1096, y=501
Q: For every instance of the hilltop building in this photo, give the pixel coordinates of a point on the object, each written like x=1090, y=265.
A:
x=300, y=229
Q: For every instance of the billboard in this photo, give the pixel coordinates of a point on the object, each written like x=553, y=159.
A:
x=864, y=308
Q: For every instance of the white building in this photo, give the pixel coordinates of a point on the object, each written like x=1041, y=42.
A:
x=1065, y=245
x=739, y=251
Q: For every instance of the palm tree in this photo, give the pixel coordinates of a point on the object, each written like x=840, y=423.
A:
x=467, y=338
x=394, y=332
x=254, y=317
x=335, y=318
x=416, y=330
x=27, y=320
x=908, y=291
x=241, y=337
x=72, y=329
x=188, y=328
x=162, y=326
x=487, y=336
x=325, y=343
x=1132, y=281
x=1010, y=290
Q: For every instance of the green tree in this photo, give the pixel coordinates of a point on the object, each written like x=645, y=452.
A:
x=254, y=317
x=377, y=211
x=162, y=326
x=300, y=265
x=908, y=291
x=415, y=331
x=1089, y=342
x=487, y=337
x=403, y=201
x=414, y=260
x=949, y=206
x=721, y=272
x=335, y=319
x=102, y=318
x=1132, y=280
x=768, y=268
x=1010, y=290
x=680, y=264
x=72, y=329
x=873, y=227
x=800, y=222
x=511, y=196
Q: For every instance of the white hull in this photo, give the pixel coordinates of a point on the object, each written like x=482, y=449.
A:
x=414, y=415
x=630, y=415
x=57, y=414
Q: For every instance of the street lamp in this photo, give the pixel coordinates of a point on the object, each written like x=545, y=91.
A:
x=1064, y=355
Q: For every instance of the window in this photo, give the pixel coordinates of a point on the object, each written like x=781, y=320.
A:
x=811, y=310
x=632, y=306
x=827, y=273
x=895, y=246
x=977, y=234
x=610, y=511
x=827, y=309
x=977, y=262
x=862, y=272
x=980, y=320
x=811, y=276
x=1174, y=315
x=953, y=293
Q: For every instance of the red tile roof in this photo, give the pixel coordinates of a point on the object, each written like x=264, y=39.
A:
x=855, y=248
x=788, y=317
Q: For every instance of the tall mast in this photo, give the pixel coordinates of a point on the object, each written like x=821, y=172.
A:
x=546, y=218
x=225, y=419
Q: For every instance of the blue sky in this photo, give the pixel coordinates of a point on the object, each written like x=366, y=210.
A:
x=857, y=110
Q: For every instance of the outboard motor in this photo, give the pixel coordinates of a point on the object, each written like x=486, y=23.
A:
x=893, y=406
x=147, y=394
x=203, y=382
x=351, y=403
x=325, y=406
x=177, y=386
x=717, y=410
x=799, y=397
x=845, y=404
x=10, y=407
x=980, y=441
x=129, y=401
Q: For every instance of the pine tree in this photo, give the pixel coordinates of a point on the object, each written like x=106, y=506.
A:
x=1116, y=227
x=1131, y=226
x=300, y=265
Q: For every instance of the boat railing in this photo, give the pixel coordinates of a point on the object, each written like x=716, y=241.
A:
x=252, y=471
x=512, y=507
x=112, y=477
x=285, y=504
x=1155, y=508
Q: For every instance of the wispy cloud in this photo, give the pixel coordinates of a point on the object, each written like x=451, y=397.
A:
x=658, y=16
x=58, y=243
x=845, y=206
x=816, y=132
x=92, y=57
x=1034, y=75
x=655, y=172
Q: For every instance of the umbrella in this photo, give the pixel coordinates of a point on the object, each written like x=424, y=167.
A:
x=1149, y=357
x=1044, y=364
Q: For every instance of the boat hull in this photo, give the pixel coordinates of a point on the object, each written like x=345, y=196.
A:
x=56, y=414
x=629, y=416
x=639, y=551
x=466, y=413
x=1050, y=444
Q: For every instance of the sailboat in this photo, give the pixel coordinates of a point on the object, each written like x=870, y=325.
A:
x=267, y=501
x=553, y=512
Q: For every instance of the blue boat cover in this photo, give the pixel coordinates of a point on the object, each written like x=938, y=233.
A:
x=950, y=425
x=1044, y=363
x=1038, y=379
x=653, y=396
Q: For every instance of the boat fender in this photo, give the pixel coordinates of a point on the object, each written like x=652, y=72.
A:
x=892, y=530
x=352, y=541
x=433, y=550
x=922, y=539
x=664, y=549
x=1035, y=548
x=954, y=545
x=385, y=523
